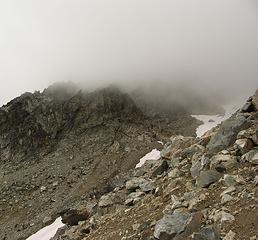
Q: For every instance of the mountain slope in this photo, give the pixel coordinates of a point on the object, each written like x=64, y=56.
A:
x=201, y=188
x=60, y=147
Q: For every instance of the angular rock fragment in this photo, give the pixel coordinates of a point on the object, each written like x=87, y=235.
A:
x=171, y=225
x=208, y=177
x=175, y=146
x=207, y=233
x=134, y=183
x=159, y=168
x=227, y=133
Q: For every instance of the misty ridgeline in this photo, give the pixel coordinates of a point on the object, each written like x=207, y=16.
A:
x=128, y=120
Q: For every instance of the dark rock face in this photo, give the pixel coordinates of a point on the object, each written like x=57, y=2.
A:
x=36, y=121
x=72, y=217
x=58, y=146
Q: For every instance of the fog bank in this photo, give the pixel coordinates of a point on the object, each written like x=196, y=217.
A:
x=208, y=45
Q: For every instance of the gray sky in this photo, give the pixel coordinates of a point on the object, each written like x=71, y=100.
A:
x=202, y=43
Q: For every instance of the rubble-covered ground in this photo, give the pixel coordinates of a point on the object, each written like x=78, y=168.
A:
x=202, y=188
x=64, y=145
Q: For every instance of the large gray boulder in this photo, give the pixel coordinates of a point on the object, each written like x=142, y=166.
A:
x=227, y=133
x=171, y=225
x=206, y=178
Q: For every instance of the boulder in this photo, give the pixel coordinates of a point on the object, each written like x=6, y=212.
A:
x=226, y=160
x=159, y=168
x=228, y=190
x=226, y=217
x=59, y=233
x=174, y=173
x=251, y=156
x=244, y=144
x=196, y=169
x=233, y=180
x=111, y=199
x=133, y=198
x=176, y=144
x=192, y=150
x=72, y=217
x=134, y=183
x=255, y=100
x=106, y=200
x=254, y=159
x=226, y=198
x=255, y=137
x=147, y=186
x=221, y=216
x=256, y=180
x=171, y=225
x=175, y=204
x=207, y=233
x=134, y=195
x=250, y=133
x=248, y=107
x=227, y=133
x=194, y=225
x=208, y=177
x=230, y=236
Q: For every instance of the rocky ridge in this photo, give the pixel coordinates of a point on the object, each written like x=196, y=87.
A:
x=63, y=146
x=201, y=188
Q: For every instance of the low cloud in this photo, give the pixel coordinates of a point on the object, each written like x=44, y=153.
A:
x=209, y=46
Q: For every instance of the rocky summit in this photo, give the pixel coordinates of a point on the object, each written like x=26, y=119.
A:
x=67, y=152
x=203, y=188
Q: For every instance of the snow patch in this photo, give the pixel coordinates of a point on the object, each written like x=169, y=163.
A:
x=47, y=232
x=211, y=121
x=153, y=155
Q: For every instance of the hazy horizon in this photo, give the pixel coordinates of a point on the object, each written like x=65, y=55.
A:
x=210, y=45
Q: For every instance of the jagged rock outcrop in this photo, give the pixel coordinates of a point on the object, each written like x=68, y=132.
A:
x=201, y=195
x=63, y=146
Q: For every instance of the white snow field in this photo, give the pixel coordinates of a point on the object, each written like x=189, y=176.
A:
x=153, y=155
x=47, y=232
x=210, y=121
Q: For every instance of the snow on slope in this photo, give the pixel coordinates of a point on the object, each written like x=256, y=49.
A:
x=47, y=232
x=210, y=121
x=153, y=155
